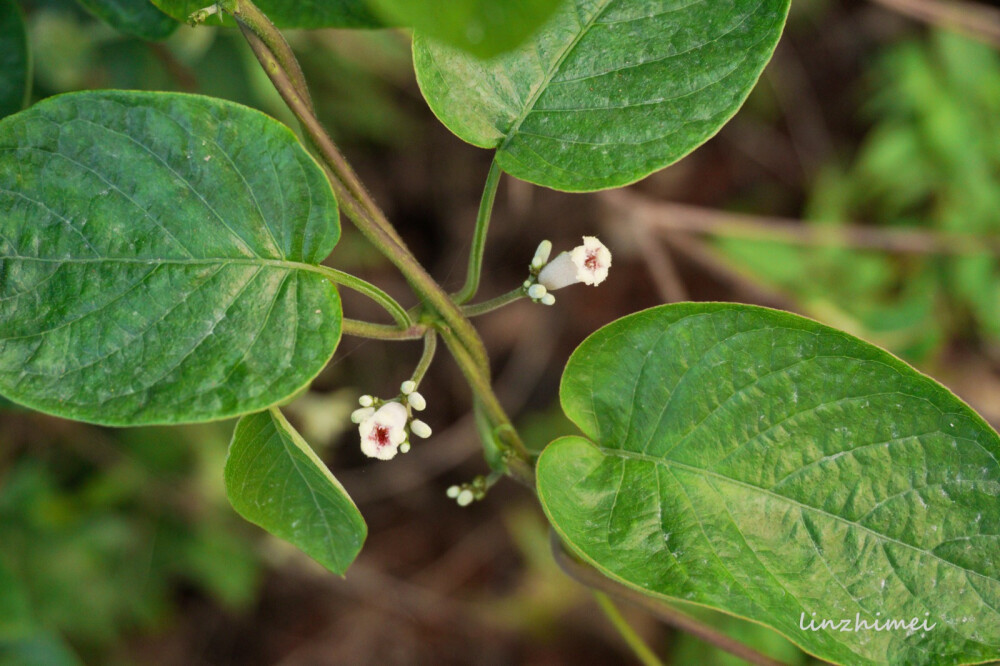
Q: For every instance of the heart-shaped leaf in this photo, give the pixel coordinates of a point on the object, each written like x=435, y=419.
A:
x=777, y=469
x=289, y=14
x=608, y=91
x=274, y=480
x=15, y=63
x=139, y=19
x=484, y=28
x=158, y=259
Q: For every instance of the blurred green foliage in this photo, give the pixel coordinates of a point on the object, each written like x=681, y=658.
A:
x=931, y=160
x=97, y=534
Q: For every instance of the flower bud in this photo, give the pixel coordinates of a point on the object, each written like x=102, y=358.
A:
x=416, y=401
x=366, y=401
x=536, y=291
x=542, y=254
x=359, y=415
x=420, y=429
x=465, y=497
x=548, y=299
x=453, y=491
x=408, y=387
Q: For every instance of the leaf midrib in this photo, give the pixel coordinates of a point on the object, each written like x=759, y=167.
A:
x=205, y=261
x=543, y=84
x=632, y=455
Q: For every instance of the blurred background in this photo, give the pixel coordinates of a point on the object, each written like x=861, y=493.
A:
x=859, y=186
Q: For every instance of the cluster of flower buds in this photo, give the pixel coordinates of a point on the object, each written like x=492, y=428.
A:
x=385, y=425
x=588, y=263
x=467, y=493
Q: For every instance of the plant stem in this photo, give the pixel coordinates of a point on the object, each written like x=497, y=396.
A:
x=639, y=647
x=479, y=237
x=594, y=579
x=430, y=348
x=371, y=291
x=247, y=14
x=364, y=329
x=494, y=303
x=361, y=209
x=494, y=410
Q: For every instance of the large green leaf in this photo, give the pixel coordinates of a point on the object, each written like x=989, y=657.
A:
x=289, y=13
x=484, y=28
x=763, y=464
x=15, y=59
x=158, y=259
x=139, y=18
x=608, y=91
x=273, y=479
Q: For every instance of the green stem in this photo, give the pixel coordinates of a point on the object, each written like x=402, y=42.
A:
x=639, y=647
x=494, y=303
x=479, y=237
x=364, y=329
x=397, y=311
x=505, y=432
x=430, y=348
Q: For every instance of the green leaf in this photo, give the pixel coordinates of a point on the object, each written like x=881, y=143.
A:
x=286, y=14
x=768, y=466
x=484, y=28
x=273, y=479
x=15, y=60
x=139, y=18
x=608, y=91
x=158, y=259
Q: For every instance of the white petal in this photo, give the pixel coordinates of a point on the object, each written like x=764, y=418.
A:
x=592, y=261
x=392, y=414
x=558, y=273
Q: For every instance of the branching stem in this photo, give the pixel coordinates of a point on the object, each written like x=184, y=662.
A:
x=494, y=303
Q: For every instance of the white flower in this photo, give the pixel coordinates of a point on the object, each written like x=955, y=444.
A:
x=420, y=429
x=384, y=431
x=587, y=263
x=416, y=400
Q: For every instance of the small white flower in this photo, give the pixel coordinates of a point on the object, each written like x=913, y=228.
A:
x=420, y=429
x=363, y=414
x=542, y=254
x=416, y=401
x=384, y=431
x=587, y=263
x=366, y=401
x=465, y=497
x=408, y=387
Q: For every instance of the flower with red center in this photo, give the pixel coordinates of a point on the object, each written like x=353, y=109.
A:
x=384, y=431
x=587, y=263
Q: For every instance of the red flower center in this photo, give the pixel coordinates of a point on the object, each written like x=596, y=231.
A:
x=381, y=435
x=591, y=262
